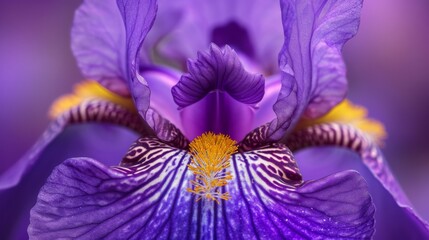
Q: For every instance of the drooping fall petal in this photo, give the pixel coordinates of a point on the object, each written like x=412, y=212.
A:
x=148, y=198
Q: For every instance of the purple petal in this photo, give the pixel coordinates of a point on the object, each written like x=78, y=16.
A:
x=83, y=198
x=333, y=134
x=392, y=220
x=160, y=81
x=252, y=28
x=219, y=113
x=83, y=140
x=138, y=17
x=218, y=70
x=165, y=130
x=265, y=112
x=313, y=71
x=217, y=93
x=98, y=43
x=107, y=51
x=89, y=111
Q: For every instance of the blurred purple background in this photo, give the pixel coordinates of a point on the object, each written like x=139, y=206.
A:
x=388, y=69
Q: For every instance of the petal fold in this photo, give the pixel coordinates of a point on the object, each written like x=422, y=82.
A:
x=138, y=17
x=313, y=71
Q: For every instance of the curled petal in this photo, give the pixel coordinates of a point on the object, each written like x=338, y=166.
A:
x=106, y=39
x=313, y=71
x=218, y=70
x=138, y=17
x=146, y=197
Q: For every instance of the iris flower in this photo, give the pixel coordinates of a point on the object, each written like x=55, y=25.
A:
x=219, y=118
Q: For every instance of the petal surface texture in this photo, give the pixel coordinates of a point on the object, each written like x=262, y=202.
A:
x=148, y=199
x=312, y=68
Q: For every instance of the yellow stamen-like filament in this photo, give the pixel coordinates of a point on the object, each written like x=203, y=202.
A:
x=84, y=91
x=348, y=113
x=210, y=158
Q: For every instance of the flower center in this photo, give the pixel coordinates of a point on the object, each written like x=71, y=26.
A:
x=210, y=158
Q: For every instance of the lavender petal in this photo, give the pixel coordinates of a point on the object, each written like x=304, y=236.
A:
x=313, y=71
x=138, y=17
x=160, y=81
x=98, y=43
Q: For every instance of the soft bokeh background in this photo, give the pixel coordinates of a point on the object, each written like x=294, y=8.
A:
x=388, y=69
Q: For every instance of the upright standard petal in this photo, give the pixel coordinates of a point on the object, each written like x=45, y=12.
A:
x=313, y=71
x=138, y=17
x=98, y=43
x=146, y=197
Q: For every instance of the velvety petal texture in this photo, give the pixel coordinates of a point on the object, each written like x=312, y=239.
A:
x=98, y=43
x=313, y=71
x=146, y=197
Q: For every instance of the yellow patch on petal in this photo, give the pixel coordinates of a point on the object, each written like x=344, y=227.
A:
x=348, y=113
x=84, y=91
x=211, y=155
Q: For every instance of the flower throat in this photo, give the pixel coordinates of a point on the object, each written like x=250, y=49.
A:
x=210, y=158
